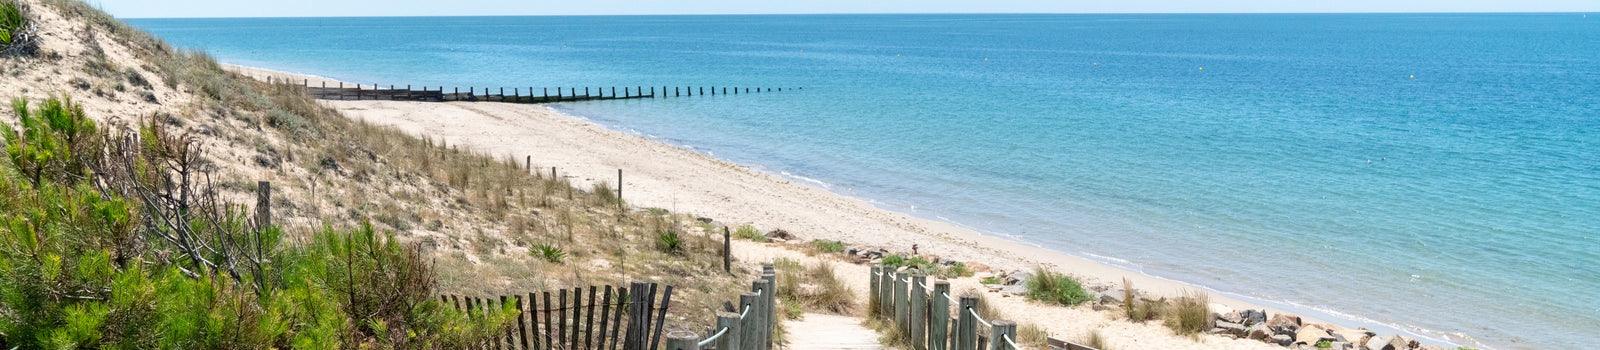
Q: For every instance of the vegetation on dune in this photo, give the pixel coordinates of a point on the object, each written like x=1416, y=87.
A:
x=1053, y=287
x=750, y=233
x=15, y=29
x=816, y=288
x=115, y=246
x=1189, y=314
x=827, y=246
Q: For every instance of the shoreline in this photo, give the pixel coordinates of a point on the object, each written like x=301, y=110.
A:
x=673, y=177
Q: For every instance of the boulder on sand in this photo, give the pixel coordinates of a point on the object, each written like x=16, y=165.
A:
x=1358, y=336
x=1281, y=340
x=1312, y=334
x=1253, y=317
x=1284, y=324
x=1387, y=342
x=1258, y=332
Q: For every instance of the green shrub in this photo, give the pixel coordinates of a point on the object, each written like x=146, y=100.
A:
x=548, y=253
x=750, y=233
x=1324, y=344
x=894, y=260
x=12, y=22
x=992, y=280
x=827, y=246
x=669, y=242
x=956, y=270
x=1053, y=287
x=56, y=141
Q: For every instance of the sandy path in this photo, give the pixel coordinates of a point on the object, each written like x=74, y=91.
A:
x=818, y=331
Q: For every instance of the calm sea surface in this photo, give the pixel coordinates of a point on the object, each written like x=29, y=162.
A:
x=1437, y=174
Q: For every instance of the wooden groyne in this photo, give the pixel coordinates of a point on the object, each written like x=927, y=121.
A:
x=360, y=92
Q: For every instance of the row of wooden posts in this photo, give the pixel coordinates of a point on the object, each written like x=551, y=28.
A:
x=544, y=95
x=749, y=326
x=924, y=314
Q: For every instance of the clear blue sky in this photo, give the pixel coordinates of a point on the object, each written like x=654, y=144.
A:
x=303, y=8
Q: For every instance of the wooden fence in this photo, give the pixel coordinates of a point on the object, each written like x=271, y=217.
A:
x=750, y=328
x=627, y=317
x=931, y=319
x=517, y=94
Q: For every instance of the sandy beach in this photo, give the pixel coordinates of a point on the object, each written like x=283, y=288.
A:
x=664, y=176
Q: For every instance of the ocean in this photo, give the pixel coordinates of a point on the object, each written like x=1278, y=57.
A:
x=1431, y=173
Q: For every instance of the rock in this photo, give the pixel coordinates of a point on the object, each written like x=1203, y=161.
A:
x=1231, y=317
x=1387, y=342
x=976, y=267
x=1231, y=328
x=1253, y=317
x=1015, y=290
x=1281, y=340
x=1016, y=278
x=703, y=220
x=994, y=287
x=1258, y=332
x=780, y=234
x=1311, y=334
x=1113, y=296
x=1284, y=324
x=1354, y=336
x=1218, y=310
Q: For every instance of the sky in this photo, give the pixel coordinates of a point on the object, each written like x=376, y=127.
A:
x=343, y=8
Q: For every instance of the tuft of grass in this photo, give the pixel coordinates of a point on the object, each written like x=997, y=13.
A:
x=1033, y=336
x=1053, y=287
x=749, y=232
x=1189, y=314
x=550, y=253
x=1129, y=306
x=1094, y=339
x=669, y=242
x=956, y=270
x=992, y=280
x=827, y=246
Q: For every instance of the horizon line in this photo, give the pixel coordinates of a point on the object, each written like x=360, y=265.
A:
x=1585, y=13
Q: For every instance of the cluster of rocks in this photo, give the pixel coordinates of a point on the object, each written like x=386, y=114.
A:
x=1287, y=330
x=1011, y=282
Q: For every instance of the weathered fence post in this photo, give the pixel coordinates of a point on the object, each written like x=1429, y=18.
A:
x=702, y=91
x=730, y=337
x=759, y=313
x=522, y=322
x=727, y=250
x=1000, y=330
x=873, y=292
x=966, y=324
x=675, y=92
x=749, y=329
x=264, y=204
x=939, y=333
x=885, y=289
x=683, y=340
x=902, y=305
x=919, y=311
x=619, y=188
x=770, y=275
x=638, y=314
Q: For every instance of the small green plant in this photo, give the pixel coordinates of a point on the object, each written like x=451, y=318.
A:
x=956, y=270
x=669, y=242
x=1324, y=344
x=548, y=252
x=1033, y=336
x=750, y=233
x=992, y=280
x=894, y=260
x=1049, y=286
x=12, y=21
x=827, y=246
x=1128, y=306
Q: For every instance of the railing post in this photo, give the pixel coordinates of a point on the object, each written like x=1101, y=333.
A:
x=263, y=204
x=939, y=333
x=730, y=339
x=902, y=305
x=638, y=314
x=872, y=287
x=997, y=335
x=759, y=313
x=966, y=324
x=919, y=311
x=769, y=275
x=683, y=340
x=749, y=329
x=885, y=289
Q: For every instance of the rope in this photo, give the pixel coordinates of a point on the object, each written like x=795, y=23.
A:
x=1007, y=338
x=925, y=286
x=979, y=318
x=724, y=330
x=877, y=274
x=746, y=312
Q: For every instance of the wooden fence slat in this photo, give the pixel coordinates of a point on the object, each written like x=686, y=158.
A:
x=561, y=321
x=533, y=316
x=616, y=318
x=661, y=316
x=588, y=328
x=495, y=309
x=751, y=330
x=549, y=323
x=605, y=314
x=940, y=312
x=577, y=317
x=522, y=323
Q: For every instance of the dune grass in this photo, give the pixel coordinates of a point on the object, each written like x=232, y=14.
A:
x=816, y=288
x=1094, y=339
x=1053, y=287
x=1189, y=314
x=12, y=21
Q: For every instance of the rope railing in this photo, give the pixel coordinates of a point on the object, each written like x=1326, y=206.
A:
x=755, y=322
x=979, y=318
x=913, y=305
x=713, y=338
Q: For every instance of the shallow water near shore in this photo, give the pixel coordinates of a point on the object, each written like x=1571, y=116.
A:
x=1432, y=173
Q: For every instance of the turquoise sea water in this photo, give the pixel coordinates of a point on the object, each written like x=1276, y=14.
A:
x=1437, y=174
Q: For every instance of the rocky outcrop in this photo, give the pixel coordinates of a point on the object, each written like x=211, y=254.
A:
x=1284, y=324
x=1312, y=334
